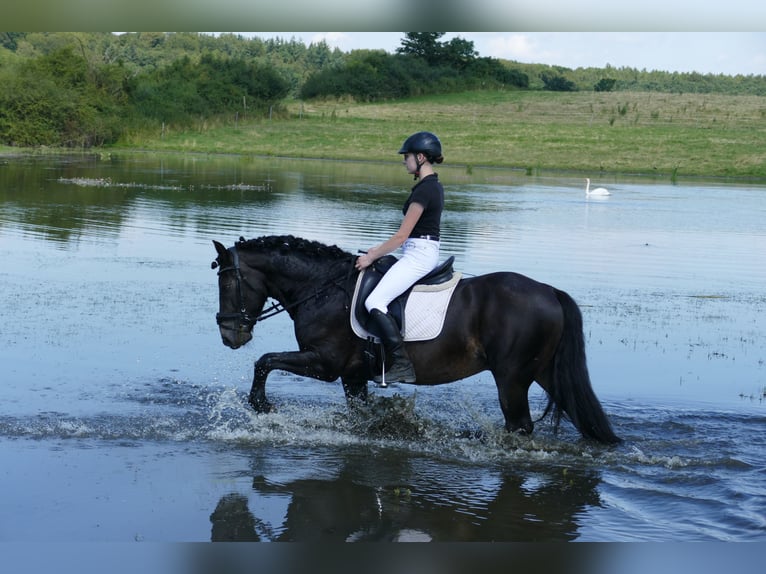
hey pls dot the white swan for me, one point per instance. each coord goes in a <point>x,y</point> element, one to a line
<point>597,191</point>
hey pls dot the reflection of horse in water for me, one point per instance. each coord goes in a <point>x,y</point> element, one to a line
<point>233,521</point>
<point>343,509</point>
<point>520,330</point>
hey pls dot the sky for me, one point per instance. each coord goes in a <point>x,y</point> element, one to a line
<point>671,35</point>
<point>727,53</point>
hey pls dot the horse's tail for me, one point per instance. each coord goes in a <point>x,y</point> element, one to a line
<point>571,393</point>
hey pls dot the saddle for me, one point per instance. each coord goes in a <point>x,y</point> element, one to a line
<point>370,278</point>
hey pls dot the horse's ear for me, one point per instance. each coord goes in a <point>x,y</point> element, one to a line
<point>223,254</point>
<point>219,247</point>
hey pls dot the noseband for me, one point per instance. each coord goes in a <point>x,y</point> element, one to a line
<point>244,317</point>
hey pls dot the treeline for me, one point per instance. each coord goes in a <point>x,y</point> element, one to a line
<point>423,64</point>
<point>89,89</point>
<point>150,51</point>
<point>62,99</point>
<point>626,79</point>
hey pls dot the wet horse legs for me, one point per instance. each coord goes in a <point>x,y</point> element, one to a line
<point>514,402</point>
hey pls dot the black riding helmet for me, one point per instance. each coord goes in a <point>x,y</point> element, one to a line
<point>426,143</point>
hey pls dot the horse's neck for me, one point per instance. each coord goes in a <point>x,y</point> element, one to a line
<point>290,278</point>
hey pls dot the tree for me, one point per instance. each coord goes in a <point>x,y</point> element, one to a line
<point>9,40</point>
<point>423,45</point>
<point>459,53</point>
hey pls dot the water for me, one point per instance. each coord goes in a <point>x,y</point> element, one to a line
<point>123,417</point>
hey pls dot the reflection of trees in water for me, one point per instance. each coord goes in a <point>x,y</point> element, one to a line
<point>66,198</point>
<point>535,506</point>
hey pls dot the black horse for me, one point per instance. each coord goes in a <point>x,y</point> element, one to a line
<point>515,327</point>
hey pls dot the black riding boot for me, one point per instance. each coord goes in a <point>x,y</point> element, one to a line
<point>398,365</point>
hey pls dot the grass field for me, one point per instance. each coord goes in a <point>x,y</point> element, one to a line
<point>671,135</point>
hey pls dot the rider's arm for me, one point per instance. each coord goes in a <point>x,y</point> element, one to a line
<point>414,211</point>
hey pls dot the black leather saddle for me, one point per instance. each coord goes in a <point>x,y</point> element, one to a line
<point>440,274</point>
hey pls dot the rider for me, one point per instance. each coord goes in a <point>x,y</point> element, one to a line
<point>418,236</point>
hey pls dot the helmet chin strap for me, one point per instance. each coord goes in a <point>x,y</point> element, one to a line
<point>419,164</point>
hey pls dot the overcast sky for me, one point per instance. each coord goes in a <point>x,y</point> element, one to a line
<point>705,52</point>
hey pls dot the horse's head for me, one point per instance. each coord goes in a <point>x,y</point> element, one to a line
<point>241,294</point>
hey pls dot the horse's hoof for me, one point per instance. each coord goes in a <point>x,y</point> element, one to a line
<point>521,430</point>
<point>261,406</point>
<point>356,402</point>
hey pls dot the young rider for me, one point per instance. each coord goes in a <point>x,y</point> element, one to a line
<point>418,236</point>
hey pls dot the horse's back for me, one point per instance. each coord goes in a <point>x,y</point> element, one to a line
<point>510,310</point>
<point>490,319</point>
<point>502,293</point>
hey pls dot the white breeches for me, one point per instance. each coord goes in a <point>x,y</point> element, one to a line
<point>419,257</point>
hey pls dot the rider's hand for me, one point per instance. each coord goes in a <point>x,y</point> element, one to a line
<point>363,261</point>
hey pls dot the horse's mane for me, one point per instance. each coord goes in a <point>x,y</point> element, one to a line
<point>290,243</point>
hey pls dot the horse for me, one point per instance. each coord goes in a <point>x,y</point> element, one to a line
<point>519,329</point>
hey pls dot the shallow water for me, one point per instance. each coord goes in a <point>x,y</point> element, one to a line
<point>123,417</point>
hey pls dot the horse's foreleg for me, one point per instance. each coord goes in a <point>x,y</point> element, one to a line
<point>303,363</point>
<point>257,398</point>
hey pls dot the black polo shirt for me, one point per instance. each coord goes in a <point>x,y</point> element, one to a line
<point>429,193</point>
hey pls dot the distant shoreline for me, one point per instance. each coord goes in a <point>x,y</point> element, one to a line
<point>633,133</point>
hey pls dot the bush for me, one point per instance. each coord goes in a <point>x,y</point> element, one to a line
<point>56,100</point>
<point>557,83</point>
<point>185,89</point>
<point>374,75</point>
<point>605,85</point>
<point>366,77</point>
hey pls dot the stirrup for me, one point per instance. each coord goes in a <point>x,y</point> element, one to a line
<point>401,375</point>
<point>405,375</point>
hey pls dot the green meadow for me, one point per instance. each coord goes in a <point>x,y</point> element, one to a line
<point>647,133</point>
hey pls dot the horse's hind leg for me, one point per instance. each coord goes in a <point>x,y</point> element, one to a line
<point>513,391</point>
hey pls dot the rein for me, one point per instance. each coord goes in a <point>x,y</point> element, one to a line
<point>276,308</point>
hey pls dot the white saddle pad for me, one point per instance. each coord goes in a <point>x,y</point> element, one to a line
<point>424,312</point>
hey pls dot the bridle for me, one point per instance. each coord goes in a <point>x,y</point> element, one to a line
<point>244,317</point>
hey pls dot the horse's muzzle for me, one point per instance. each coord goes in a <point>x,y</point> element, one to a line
<point>235,338</point>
